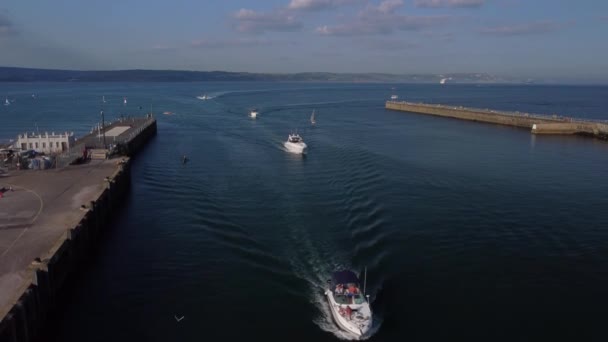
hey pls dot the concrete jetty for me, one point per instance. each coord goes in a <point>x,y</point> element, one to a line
<point>536,123</point>
<point>49,221</point>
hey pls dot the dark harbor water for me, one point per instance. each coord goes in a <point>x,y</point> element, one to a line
<point>470,232</point>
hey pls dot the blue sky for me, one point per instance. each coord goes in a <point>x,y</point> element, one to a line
<point>526,38</point>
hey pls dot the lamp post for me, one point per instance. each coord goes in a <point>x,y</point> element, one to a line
<point>103,129</point>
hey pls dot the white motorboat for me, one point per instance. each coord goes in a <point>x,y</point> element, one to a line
<point>394,97</point>
<point>253,113</point>
<point>203,97</point>
<point>349,305</point>
<point>295,144</point>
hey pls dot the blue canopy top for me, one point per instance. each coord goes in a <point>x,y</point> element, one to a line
<point>345,277</point>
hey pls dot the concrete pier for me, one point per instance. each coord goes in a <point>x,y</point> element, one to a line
<point>49,222</point>
<point>537,123</point>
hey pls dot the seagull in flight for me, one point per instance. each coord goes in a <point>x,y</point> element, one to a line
<point>178,319</point>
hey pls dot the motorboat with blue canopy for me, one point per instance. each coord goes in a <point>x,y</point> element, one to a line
<point>348,303</point>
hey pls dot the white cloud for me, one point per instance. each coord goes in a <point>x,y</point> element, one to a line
<point>448,3</point>
<point>258,22</point>
<point>526,29</point>
<point>389,6</point>
<point>6,26</point>
<point>234,43</point>
<point>391,45</point>
<point>162,47</point>
<point>317,5</point>
<point>382,19</point>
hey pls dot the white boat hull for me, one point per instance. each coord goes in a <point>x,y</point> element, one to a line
<point>253,115</point>
<point>297,148</point>
<point>357,327</point>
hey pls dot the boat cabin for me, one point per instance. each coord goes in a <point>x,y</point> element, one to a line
<point>294,138</point>
<point>346,289</point>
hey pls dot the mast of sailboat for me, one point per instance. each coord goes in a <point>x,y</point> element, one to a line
<point>365,281</point>
<point>103,122</point>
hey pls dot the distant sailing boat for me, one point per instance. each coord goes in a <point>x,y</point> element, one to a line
<point>124,101</point>
<point>312,117</point>
<point>7,102</point>
<point>103,99</point>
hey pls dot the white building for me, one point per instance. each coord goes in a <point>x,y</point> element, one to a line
<point>46,143</point>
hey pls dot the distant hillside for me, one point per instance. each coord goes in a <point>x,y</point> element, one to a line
<point>9,74</point>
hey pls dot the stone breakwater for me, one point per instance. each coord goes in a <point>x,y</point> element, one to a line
<point>537,123</point>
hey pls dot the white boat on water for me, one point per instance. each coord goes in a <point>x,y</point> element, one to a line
<point>203,97</point>
<point>394,97</point>
<point>312,117</point>
<point>349,305</point>
<point>295,144</point>
<point>253,113</point>
<point>7,102</point>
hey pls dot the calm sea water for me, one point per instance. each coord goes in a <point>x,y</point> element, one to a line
<point>469,231</point>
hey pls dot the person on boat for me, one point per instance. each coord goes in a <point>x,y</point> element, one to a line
<point>348,312</point>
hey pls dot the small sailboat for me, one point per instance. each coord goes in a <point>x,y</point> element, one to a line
<point>349,305</point>
<point>253,113</point>
<point>312,118</point>
<point>103,99</point>
<point>124,101</point>
<point>7,102</point>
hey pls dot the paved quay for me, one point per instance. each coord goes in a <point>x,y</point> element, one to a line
<point>51,220</point>
<point>40,209</point>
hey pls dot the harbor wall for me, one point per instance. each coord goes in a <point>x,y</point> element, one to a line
<point>139,138</point>
<point>479,115</point>
<point>47,277</point>
<point>537,123</point>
